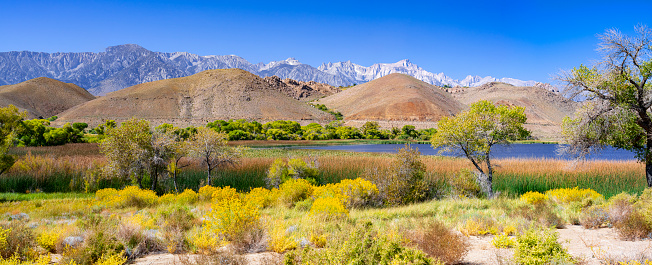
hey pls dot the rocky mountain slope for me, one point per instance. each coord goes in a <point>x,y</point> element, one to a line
<point>126,65</point>
<point>43,97</point>
<point>197,99</point>
<point>394,97</point>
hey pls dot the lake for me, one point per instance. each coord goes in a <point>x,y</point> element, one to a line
<point>524,151</point>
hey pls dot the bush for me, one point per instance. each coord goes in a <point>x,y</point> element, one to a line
<point>404,182</point>
<point>594,217</point>
<point>225,193</point>
<point>439,242</point>
<point>261,197</point>
<point>479,226</point>
<point>586,197</point>
<point>534,198</point>
<point>48,239</point>
<point>363,246</point>
<point>101,241</point>
<point>540,247</point>
<point>174,223</point>
<point>280,172</point>
<point>295,190</point>
<point>280,239</point>
<point>633,226</point>
<point>206,192</point>
<point>235,222</point>
<point>352,193</point>
<point>130,196</point>
<point>503,241</point>
<point>18,241</point>
<point>464,184</point>
<point>328,208</point>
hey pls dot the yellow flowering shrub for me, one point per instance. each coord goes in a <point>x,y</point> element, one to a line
<point>329,208</point>
<point>573,195</point>
<point>206,192</point>
<point>319,240</point>
<point>48,239</point>
<point>204,241</point>
<point>131,196</point>
<point>226,193</point>
<point>14,260</point>
<point>114,259</point>
<point>261,197</point>
<point>503,241</point>
<point>635,262</point>
<point>279,240</point>
<point>142,220</point>
<point>231,218</point>
<point>3,237</point>
<point>534,197</point>
<point>295,190</point>
<point>168,198</point>
<point>188,196</point>
<point>352,192</point>
<point>479,227</point>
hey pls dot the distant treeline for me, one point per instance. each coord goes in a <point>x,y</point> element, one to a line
<point>38,132</point>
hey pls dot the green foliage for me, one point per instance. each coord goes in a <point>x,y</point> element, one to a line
<point>540,247</point>
<point>362,246</point>
<point>10,118</point>
<point>281,171</point>
<point>472,134</point>
<point>404,182</point>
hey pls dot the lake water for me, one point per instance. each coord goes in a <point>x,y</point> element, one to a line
<point>525,151</point>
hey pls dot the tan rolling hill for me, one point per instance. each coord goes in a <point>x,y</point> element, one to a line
<point>43,97</point>
<point>197,99</point>
<point>394,98</point>
<point>544,109</point>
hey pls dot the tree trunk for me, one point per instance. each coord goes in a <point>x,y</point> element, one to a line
<point>208,177</point>
<point>648,160</point>
<point>154,177</point>
<point>490,178</point>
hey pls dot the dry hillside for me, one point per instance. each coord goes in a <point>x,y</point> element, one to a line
<point>300,90</point>
<point>43,97</point>
<point>544,109</point>
<point>394,98</point>
<point>197,99</point>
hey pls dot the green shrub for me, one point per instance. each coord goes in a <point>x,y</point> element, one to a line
<point>280,172</point>
<point>536,247</point>
<point>295,190</point>
<point>404,182</point>
<point>16,239</point>
<point>362,246</point>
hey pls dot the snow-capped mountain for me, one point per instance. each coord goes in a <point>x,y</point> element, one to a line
<point>126,65</point>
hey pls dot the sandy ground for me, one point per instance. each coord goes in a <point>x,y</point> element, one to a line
<point>591,246</point>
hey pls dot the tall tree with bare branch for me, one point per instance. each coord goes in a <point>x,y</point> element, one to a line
<point>211,148</point>
<point>618,99</point>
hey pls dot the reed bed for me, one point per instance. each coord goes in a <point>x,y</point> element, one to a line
<point>63,169</point>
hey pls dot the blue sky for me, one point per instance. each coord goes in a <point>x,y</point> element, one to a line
<point>529,40</point>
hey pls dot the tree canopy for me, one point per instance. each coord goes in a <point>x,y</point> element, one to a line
<point>473,133</point>
<point>618,97</point>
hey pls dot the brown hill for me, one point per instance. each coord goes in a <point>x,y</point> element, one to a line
<point>544,109</point>
<point>43,97</point>
<point>197,99</point>
<point>395,97</point>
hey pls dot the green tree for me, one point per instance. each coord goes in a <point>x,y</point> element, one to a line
<point>133,150</point>
<point>10,118</point>
<point>617,110</point>
<point>211,148</point>
<point>473,133</point>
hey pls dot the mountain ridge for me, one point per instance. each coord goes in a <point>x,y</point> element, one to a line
<point>126,65</point>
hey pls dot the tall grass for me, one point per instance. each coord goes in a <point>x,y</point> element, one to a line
<point>63,168</point>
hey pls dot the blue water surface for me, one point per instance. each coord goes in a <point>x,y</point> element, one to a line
<point>524,151</point>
